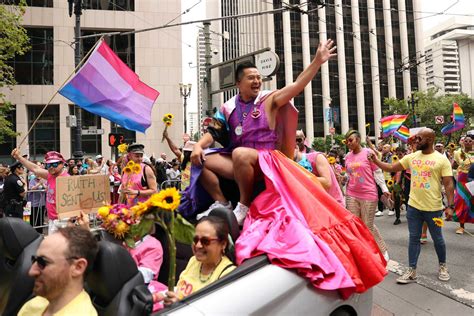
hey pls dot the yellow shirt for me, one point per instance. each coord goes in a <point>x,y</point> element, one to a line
<point>80,305</point>
<point>189,281</point>
<point>426,176</point>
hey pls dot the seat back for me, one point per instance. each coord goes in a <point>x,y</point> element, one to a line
<point>234,231</point>
<point>112,280</point>
<point>18,242</point>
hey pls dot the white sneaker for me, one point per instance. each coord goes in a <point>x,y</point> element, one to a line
<point>240,212</point>
<point>214,205</point>
<point>391,213</point>
<point>386,256</point>
<point>379,213</point>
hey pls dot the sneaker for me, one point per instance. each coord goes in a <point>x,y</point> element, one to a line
<point>379,213</point>
<point>240,212</point>
<point>423,239</point>
<point>391,213</point>
<point>397,222</point>
<point>408,277</point>
<point>443,272</point>
<point>460,231</point>
<point>214,205</point>
<point>386,256</point>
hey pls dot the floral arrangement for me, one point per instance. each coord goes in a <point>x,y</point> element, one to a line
<point>122,148</point>
<point>132,224</point>
<point>168,120</point>
<point>438,221</point>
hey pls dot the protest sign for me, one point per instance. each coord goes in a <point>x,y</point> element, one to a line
<point>81,193</point>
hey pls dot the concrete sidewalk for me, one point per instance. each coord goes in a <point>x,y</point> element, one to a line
<point>391,298</point>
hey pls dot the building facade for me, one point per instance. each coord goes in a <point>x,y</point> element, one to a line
<point>155,56</point>
<point>450,56</point>
<point>380,54</point>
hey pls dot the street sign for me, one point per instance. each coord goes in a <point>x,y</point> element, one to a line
<point>267,63</point>
<point>99,131</point>
<point>332,131</point>
<point>439,119</point>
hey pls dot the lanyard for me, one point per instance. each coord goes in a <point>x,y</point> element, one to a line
<point>248,106</point>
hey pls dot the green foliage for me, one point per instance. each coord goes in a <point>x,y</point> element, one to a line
<point>323,144</point>
<point>13,41</point>
<point>430,104</point>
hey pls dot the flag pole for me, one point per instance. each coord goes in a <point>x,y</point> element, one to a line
<point>56,92</point>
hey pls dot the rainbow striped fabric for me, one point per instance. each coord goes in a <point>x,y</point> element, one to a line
<point>390,124</point>
<point>457,122</point>
<point>403,133</point>
<point>105,86</point>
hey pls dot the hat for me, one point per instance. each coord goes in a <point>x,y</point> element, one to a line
<point>15,165</point>
<point>98,157</point>
<point>189,146</point>
<point>136,148</point>
<point>53,156</point>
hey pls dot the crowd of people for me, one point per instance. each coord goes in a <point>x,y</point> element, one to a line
<point>301,207</point>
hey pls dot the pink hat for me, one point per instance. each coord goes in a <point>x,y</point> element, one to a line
<point>53,156</point>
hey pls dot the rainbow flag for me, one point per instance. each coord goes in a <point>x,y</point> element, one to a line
<point>390,124</point>
<point>105,86</point>
<point>457,122</point>
<point>403,133</point>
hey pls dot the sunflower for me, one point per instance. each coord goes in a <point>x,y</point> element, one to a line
<point>451,146</point>
<point>169,123</point>
<point>127,170</point>
<point>122,148</point>
<point>394,158</point>
<point>331,160</point>
<point>130,164</point>
<point>390,183</point>
<point>438,221</point>
<point>136,168</point>
<point>120,229</point>
<point>169,116</point>
<point>167,199</point>
<point>103,211</point>
<point>344,141</point>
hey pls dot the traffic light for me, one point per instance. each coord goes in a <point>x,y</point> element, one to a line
<point>116,139</point>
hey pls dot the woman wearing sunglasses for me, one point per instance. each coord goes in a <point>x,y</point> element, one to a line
<point>361,191</point>
<point>209,262</point>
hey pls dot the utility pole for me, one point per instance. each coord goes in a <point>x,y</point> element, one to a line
<point>185,91</point>
<point>77,4</point>
<point>207,65</point>
<point>413,102</point>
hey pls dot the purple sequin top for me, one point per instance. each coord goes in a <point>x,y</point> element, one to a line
<point>255,130</point>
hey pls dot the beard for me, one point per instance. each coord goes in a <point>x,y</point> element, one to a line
<point>422,146</point>
<point>51,288</point>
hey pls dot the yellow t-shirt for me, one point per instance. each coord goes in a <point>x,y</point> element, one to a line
<point>189,281</point>
<point>426,177</point>
<point>80,305</point>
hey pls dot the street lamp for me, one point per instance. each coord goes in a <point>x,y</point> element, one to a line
<point>185,90</point>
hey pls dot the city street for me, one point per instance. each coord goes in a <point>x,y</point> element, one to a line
<point>430,296</point>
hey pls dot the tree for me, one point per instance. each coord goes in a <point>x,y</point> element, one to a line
<point>13,41</point>
<point>430,104</point>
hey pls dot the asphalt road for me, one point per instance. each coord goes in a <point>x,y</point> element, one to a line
<point>460,258</point>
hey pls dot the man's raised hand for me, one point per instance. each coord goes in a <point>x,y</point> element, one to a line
<point>326,50</point>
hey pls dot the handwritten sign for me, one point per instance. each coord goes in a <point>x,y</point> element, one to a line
<point>81,193</point>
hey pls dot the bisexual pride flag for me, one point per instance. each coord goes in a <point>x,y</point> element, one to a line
<point>105,86</point>
<point>457,122</point>
<point>403,133</point>
<point>390,124</point>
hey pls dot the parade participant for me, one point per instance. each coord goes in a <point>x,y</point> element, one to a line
<point>73,171</point>
<point>429,169</point>
<point>312,229</point>
<point>36,196</point>
<point>463,201</point>
<point>138,187</point>
<point>209,262</point>
<point>59,268</point>
<point>301,142</point>
<point>54,164</point>
<point>361,191</point>
<point>386,156</point>
<point>14,191</point>
<point>115,179</point>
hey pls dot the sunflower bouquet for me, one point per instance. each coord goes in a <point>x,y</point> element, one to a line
<point>130,169</point>
<point>116,219</point>
<point>168,120</point>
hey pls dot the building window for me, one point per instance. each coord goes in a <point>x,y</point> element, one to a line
<point>44,136</point>
<point>91,144</point>
<point>8,142</point>
<point>36,66</point>
<point>115,5</point>
<point>31,3</point>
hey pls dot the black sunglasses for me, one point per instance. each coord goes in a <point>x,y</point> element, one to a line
<point>205,241</point>
<point>41,261</point>
<point>53,164</point>
<point>299,140</point>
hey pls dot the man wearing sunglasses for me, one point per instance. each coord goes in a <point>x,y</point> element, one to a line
<point>300,139</point>
<point>59,268</point>
<point>54,167</point>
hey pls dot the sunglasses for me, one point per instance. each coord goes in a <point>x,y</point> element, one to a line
<point>299,140</point>
<point>42,262</point>
<point>52,165</point>
<point>205,241</point>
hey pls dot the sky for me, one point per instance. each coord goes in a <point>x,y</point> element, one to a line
<point>197,12</point>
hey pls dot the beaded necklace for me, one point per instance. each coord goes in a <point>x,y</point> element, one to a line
<point>210,274</point>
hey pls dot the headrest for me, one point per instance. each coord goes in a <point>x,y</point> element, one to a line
<point>230,219</point>
<point>112,268</point>
<point>15,235</point>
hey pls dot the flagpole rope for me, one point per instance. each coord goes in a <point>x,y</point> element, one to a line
<point>56,92</point>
